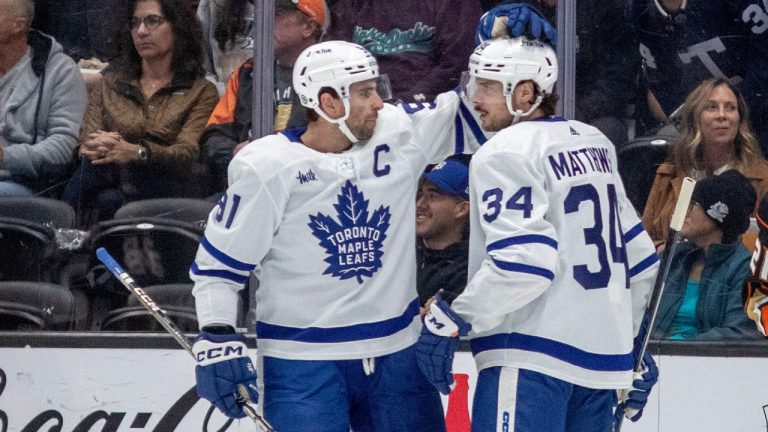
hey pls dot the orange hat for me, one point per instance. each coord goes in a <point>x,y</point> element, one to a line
<point>315,9</point>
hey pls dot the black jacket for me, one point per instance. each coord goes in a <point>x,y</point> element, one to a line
<point>446,269</point>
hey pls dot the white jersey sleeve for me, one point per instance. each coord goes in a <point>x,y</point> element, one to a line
<point>509,206</point>
<point>238,234</point>
<point>447,126</point>
<point>642,259</point>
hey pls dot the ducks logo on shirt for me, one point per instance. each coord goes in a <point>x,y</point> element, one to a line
<point>353,243</point>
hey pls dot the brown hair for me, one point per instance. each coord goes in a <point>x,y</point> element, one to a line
<point>686,151</point>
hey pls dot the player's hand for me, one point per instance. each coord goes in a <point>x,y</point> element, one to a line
<point>437,344</point>
<point>223,365</point>
<point>521,20</point>
<point>632,401</point>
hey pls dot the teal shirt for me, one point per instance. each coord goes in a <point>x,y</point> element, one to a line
<point>718,312</point>
<point>684,324</point>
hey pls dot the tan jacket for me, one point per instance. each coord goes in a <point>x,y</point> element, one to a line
<point>666,188</point>
<point>168,124</point>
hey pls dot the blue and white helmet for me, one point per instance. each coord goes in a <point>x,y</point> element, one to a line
<point>511,61</point>
<point>334,64</point>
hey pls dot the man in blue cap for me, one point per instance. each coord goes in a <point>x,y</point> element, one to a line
<point>442,229</point>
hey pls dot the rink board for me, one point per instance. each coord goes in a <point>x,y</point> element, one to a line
<point>95,389</point>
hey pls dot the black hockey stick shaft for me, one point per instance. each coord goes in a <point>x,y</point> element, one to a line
<point>649,317</point>
<point>159,314</point>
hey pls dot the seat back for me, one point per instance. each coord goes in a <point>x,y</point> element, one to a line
<point>44,211</point>
<point>175,299</point>
<point>638,161</point>
<point>190,210</point>
<point>27,251</point>
<point>153,251</point>
<point>35,305</point>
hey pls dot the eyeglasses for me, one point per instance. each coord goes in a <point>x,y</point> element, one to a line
<point>151,22</point>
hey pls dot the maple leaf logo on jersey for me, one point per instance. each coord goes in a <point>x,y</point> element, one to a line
<point>353,244</point>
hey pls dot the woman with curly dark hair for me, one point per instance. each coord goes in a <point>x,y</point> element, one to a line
<point>139,137</point>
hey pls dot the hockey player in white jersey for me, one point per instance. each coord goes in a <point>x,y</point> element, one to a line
<point>326,217</point>
<point>560,267</point>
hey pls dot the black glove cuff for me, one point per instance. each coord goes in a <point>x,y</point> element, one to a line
<point>219,329</point>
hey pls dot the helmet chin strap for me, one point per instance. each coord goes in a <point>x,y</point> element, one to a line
<point>517,114</point>
<point>341,122</point>
<point>347,133</point>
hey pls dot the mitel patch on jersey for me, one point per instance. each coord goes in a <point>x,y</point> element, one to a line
<point>354,242</point>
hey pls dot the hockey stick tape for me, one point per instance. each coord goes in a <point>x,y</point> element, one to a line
<point>683,201</point>
<point>109,262</point>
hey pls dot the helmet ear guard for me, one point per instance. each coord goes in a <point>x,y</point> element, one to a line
<point>336,65</point>
<point>511,61</point>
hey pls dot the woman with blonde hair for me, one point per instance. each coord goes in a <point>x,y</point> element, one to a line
<point>714,136</point>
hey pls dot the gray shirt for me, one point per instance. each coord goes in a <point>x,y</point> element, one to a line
<point>8,82</point>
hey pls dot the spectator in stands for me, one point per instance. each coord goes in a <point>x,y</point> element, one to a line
<point>756,288</point>
<point>297,26</point>
<point>607,62</point>
<point>228,37</point>
<point>84,27</point>
<point>140,133</point>
<point>702,296</point>
<point>42,100</point>
<point>422,45</point>
<point>442,228</point>
<point>714,136</point>
<point>684,42</point>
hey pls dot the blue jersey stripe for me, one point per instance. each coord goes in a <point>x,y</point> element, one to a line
<point>459,139</point>
<point>477,131</point>
<point>551,119</point>
<point>524,268</point>
<point>644,264</point>
<point>350,333</point>
<point>222,274</point>
<point>523,239</point>
<point>224,258</point>
<point>555,349</point>
<point>294,135</point>
<point>634,232</point>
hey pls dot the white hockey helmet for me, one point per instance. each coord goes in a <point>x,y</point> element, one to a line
<point>337,65</point>
<point>511,61</point>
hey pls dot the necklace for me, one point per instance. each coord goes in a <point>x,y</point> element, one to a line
<point>153,85</point>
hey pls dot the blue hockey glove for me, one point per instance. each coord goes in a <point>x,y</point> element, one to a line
<point>222,366</point>
<point>521,20</point>
<point>437,344</point>
<point>632,401</point>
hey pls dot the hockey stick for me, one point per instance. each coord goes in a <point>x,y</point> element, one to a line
<point>649,317</point>
<point>161,317</point>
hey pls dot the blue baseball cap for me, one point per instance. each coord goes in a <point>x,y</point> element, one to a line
<point>451,177</point>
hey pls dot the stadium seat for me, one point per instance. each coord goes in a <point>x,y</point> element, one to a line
<point>154,240</point>
<point>45,211</point>
<point>638,161</point>
<point>175,299</point>
<point>153,251</point>
<point>35,306</point>
<point>28,248</point>
<point>181,209</point>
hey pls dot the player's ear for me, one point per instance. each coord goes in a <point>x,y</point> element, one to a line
<point>331,105</point>
<point>462,210</point>
<point>525,94</point>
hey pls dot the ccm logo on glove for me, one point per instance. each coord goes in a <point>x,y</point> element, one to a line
<point>209,353</point>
